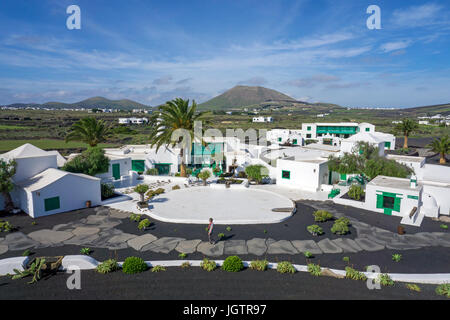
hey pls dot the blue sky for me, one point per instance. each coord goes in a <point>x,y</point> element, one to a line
<point>154,51</point>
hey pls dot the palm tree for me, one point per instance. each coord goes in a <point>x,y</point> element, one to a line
<point>88,130</point>
<point>174,115</point>
<point>406,127</point>
<point>442,146</point>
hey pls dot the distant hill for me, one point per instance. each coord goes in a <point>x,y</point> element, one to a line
<point>243,96</point>
<point>91,103</point>
<point>443,109</point>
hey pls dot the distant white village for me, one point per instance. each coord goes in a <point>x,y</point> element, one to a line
<point>296,162</point>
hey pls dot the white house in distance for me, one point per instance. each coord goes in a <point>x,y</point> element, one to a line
<point>282,136</point>
<point>334,133</point>
<point>262,119</point>
<point>41,189</point>
<point>133,120</point>
<point>349,145</point>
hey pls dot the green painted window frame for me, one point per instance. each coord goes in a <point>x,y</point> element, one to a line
<point>367,129</point>
<point>279,139</point>
<point>283,172</point>
<point>51,204</point>
<point>309,128</point>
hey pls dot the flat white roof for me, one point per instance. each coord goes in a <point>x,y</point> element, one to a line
<point>405,158</point>
<point>391,182</point>
<point>322,147</point>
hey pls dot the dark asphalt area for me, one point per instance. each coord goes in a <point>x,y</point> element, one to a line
<point>194,283</point>
<point>413,261</point>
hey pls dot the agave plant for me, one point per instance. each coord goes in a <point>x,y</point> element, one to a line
<point>34,270</point>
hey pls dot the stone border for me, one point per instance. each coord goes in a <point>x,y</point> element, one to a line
<point>88,263</point>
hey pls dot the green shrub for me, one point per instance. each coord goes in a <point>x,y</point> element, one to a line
<point>228,229</point>
<point>91,162</point>
<point>144,224</point>
<point>396,257</point>
<point>133,265</point>
<point>107,190</point>
<point>339,228</point>
<point>308,254</point>
<point>204,175</point>
<point>259,265</point>
<point>159,191</point>
<point>185,264</point>
<point>5,226</point>
<point>135,217</point>
<point>176,187</point>
<point>314,269</point>
<point>85,251</point>
<point>353,274</point>
<point>322,216</point>
<point>107,266</point>
<point>443,290</point>
<point>346,259</point>
<point>232,264</point>
<point>182,255</point>
<point>256,172</point>
<point>158,269</point>
<point>285,267</point>
<point>208,265</point>
<point>315,230</point>
<point>413,287</point>
<point>221,235</point>
<point>385,280</point>
<point>142,190</point>
<point>344,220</point>
<point>356,192</point>
<point>152,172</point>
<point>444,226</point>
<point>26,253</point>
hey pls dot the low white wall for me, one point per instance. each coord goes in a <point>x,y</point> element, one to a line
<point>442,196</point>
<point>303,175</point>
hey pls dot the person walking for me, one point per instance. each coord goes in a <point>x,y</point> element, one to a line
<point>210,231</point>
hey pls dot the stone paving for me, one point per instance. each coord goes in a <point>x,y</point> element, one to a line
<point>98,231</point>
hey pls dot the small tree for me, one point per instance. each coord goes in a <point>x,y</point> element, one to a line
<point>204,175</point>
<point>256,172</point>
<point>141,189</point>
<point>91,162</point>
<point>406,127</point>
<point>7,171</point>
<point>442,146</point>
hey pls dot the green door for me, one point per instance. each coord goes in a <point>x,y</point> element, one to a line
<point>163,168</point>
<point>51,204</point>
<point>116,171</point>
<point>295,141</point>
<point>138,165</point>
<point>387,145</point>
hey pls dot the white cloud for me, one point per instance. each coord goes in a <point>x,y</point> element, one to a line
<point>417,15</point>
<point>397,45</point>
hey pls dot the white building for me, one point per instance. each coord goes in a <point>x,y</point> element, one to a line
<point>304,174</point>
<point>41,189</point>
<point>133,120</point>
<point>349,145</point>
<point>262,119</point>
<point>282,136</point>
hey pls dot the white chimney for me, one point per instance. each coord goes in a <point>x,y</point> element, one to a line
<point>413,182</point>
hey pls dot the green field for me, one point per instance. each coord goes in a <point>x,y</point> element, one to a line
<point>46,144</point>
<point>8,127</point>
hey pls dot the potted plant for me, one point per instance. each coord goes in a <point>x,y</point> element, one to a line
<point>400,230</point>
<point>204,175</point>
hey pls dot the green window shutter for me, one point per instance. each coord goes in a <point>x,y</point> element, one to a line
<point>387,145</point>
<point>279,139</point>
<point>295,141</point>
<point>51,204</point>
<point>367,129</point>
<point>286,174</point>
<point>397,204</point>
<point>379,201</point>
<point>309,128</point>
